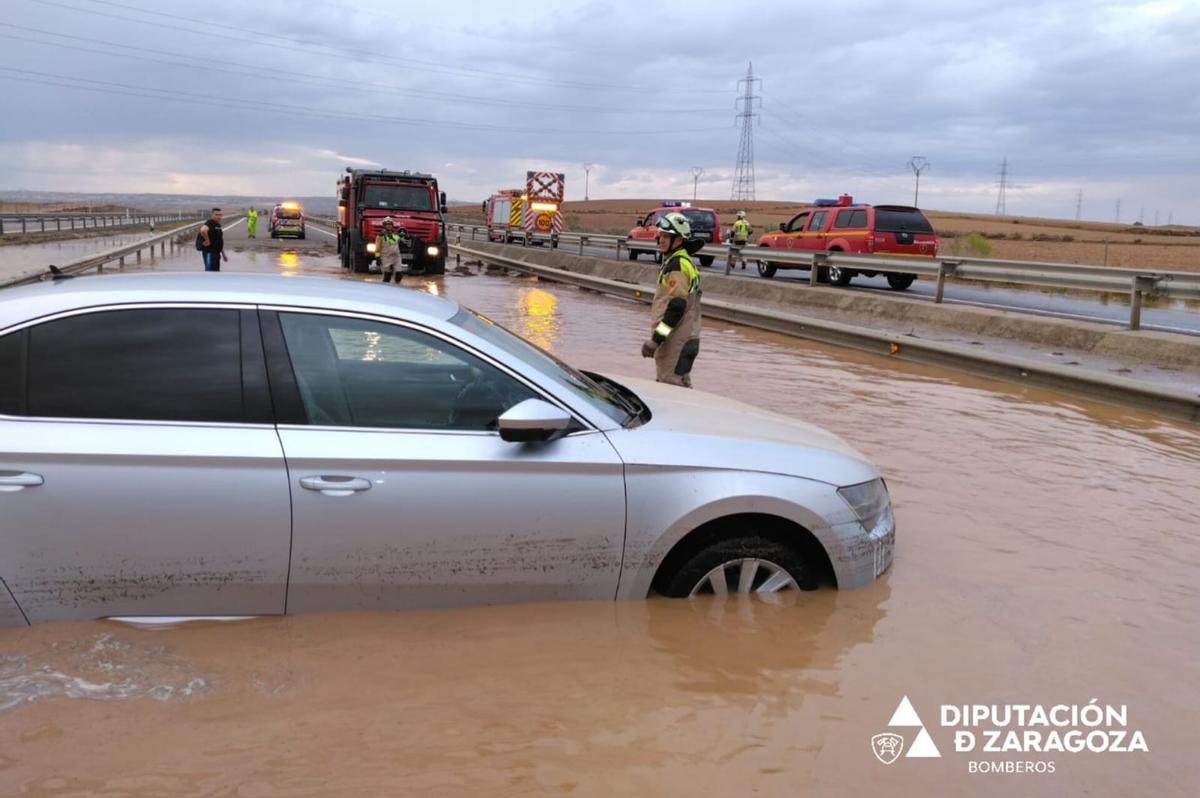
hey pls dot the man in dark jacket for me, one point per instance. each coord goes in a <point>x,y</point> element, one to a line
<point>212,241</point>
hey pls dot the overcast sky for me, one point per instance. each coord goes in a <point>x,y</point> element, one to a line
<point>275,98</point>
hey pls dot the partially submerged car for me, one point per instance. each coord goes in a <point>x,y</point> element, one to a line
<point>235,444</point>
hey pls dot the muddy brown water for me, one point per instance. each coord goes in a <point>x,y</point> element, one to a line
<point>1048,552</point>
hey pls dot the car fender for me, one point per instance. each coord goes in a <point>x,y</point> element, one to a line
<point>840,244</point>
<point>662,510</point>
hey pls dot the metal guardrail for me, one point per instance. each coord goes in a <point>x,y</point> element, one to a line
<point>1136,283</point>
<point>1177,402</point>
<point>25,223</point>
<point>119,254</point>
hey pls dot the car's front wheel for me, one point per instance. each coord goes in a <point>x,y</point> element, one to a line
<point>741,564</point>
<point>900,282</point>
<point>840,277</point>
<point>765,269</point>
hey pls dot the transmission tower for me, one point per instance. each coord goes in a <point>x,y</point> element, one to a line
<point>695,172</point>
<point>917,164</point>
<point>1001,210</point>
<point>587,178</point>
<point>1078,205</point>
<point>743,173</point>
<point>1118,216</point>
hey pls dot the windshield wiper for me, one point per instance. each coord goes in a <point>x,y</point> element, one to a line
<point>621,396</point>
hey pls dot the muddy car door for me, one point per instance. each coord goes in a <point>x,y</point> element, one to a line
<point>140,471</point>
<point>404,493</point>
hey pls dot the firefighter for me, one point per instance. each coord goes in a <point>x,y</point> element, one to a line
<point>741,232</point>
<point>387,250</point>
<point>251,222</point>
<point>675,312</point>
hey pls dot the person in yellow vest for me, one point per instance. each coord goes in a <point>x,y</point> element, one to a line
<point>251,222</point>
<point>387,250</point>
<point>675,312</point>
<point>741,232</point>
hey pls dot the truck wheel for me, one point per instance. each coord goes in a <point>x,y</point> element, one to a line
<point>360,262</point>
<point>706,261</point>
<point>633,253</point>
<point>766,269</point>
<point>840,277</point>
<point>900,282</point>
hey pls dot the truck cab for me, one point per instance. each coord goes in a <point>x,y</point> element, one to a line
<point>411,199</point>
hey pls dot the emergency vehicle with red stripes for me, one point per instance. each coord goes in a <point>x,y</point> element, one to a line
<point>842,225</point>
<point>524,214</point>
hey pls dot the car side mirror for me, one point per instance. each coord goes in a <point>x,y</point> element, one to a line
<point>442,201</point>
<point>533,420</point>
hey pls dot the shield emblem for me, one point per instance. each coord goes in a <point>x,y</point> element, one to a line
<point>887,747</point>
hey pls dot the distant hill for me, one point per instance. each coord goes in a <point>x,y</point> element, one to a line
<point>117,201</point>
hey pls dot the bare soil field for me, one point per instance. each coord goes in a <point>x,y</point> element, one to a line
<point>1174,248</point>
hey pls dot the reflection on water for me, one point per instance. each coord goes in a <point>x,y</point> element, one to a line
<point>1047,552</point>
<point>539,323</point>
<point>289,264</point>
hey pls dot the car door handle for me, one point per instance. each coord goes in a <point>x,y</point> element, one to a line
<point>335,485</point>
<point>11,481</point>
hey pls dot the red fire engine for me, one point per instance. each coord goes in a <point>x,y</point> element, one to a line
<point>520,215</point>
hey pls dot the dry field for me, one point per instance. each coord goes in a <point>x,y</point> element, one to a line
<point>1175,248</point>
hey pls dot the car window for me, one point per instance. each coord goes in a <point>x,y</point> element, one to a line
<point>901,220</point>
<point>818,220</point>
<point>358,373</point>
<point>12,373</point>
<point>797,222</point>
<point>154,364</point>
<point>850,218</point>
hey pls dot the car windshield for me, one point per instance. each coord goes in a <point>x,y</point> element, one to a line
<point>288,213</point>
<point>700,220</point>
<point>408,198</point>
<point>901,220</point>
<point>601,395</point>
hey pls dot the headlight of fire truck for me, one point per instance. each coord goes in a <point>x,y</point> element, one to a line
<point>371,247</point>
<point>431,251</point>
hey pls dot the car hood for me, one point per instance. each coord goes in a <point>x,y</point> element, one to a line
<point>690,428</point>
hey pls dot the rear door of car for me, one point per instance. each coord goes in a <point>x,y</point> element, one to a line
<point>140,471</point>
<point>404,494</point>
<point>902,230</point>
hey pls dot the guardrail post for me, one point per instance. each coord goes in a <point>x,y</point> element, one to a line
<point>58,223</point>
<point>944,267</point>
<point>619,243</point>
<point>1139,284</point>
<point>139,256</point>
<point>819,260</point>
<point>43,221</point>
<point>1,226</point>
<point>582,241</point>
<point>22,224</point>
<point>121,262</point>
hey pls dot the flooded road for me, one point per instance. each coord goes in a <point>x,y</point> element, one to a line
<point>19,258</point>
<point>1048,552</point>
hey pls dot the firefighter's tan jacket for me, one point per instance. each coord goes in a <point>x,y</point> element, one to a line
<point>387,247</point>
<point>677,333</point>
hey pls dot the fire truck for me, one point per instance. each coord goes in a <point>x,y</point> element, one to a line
<point>521,214</point>
<point>365,197</point>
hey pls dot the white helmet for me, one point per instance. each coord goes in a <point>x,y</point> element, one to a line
<point>388,220</point>
<point>675,224</point>
<point>741,215</point>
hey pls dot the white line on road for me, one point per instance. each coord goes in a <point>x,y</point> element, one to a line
<point>319,230</point>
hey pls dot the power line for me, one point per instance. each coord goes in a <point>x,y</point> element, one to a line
<point>695,172</point>
<point>308,78</point>
<point>109,87</point>
<point>419,65</point>
<point>743,174</point>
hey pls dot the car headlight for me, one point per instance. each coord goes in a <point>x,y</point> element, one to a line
<point>431,251</point>
<point>869,500</point>
<point>371,247</point>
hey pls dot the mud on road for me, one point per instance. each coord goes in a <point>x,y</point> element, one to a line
<point>1047,552</point>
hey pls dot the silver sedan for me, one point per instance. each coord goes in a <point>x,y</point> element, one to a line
<point>229,444</point>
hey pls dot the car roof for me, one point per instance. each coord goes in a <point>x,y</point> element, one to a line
<point>26,303</point>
